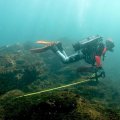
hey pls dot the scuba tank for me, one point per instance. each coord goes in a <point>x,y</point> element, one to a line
<point>90,41</point>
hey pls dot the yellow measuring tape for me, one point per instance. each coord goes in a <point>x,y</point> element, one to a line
<point>56,88</point>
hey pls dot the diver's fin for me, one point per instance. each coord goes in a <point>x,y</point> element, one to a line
<point>45,42</point>
<point>39,50</point>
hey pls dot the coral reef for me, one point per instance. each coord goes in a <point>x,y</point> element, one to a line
<point>22,72</point>
<point>55,106</point>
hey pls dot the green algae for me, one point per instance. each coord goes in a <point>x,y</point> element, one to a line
<point>30,73</point>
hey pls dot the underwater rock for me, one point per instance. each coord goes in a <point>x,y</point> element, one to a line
<point>55,106</point>
<point>2,113</point>
<point>29,72</point>
<point>10,94</point>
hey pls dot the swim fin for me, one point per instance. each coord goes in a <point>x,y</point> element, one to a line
<point>45,42</point>
<point>39,50</point>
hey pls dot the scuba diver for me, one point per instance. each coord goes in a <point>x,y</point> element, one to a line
<point>90,49</point>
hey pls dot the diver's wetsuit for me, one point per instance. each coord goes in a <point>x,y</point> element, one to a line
<point>69,59</point>
<point>89,52</point>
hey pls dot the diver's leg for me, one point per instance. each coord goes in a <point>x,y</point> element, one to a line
<point>75,57</point>
<point>70,59</point>
<point>60,47</point>
<point>67,59</point>
<point>63,57</point>
<point>60,52</point>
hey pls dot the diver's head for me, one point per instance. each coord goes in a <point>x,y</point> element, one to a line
<point>110,45</point>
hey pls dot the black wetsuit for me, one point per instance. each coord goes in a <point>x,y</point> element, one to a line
<point>90,52</point>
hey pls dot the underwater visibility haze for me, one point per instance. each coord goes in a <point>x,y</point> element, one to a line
<point>29,20</point>
<point>22,23</point>
<point>53,19</point>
